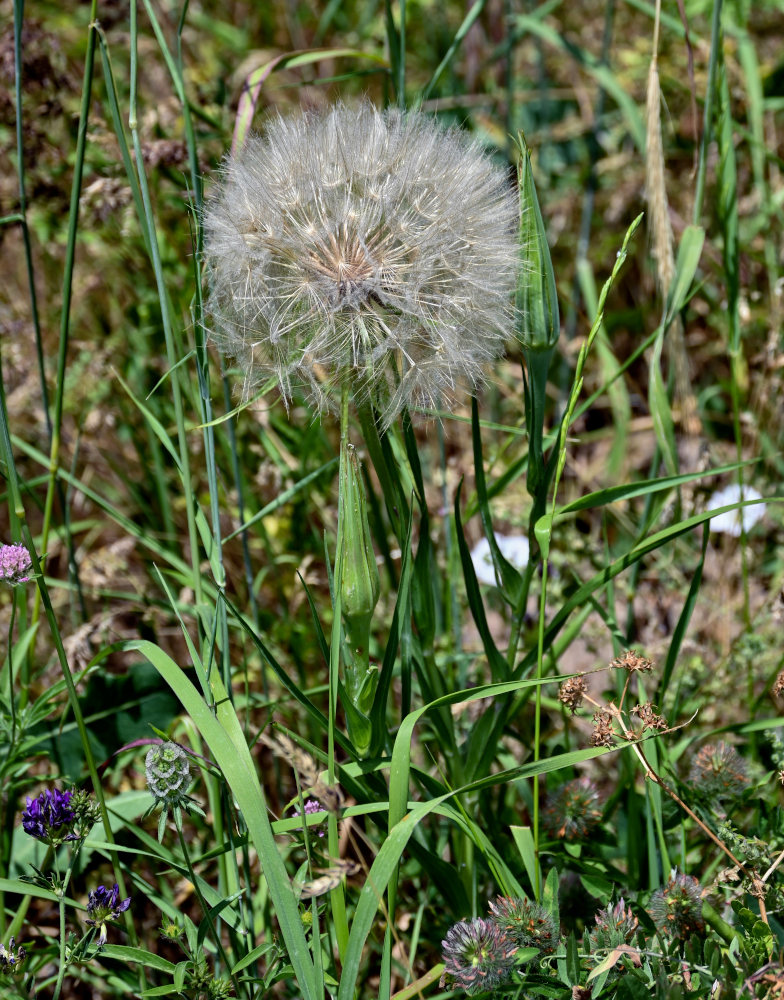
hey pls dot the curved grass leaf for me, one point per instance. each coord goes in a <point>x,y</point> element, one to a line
<point>227,745</point>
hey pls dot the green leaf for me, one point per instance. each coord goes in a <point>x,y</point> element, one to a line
<point>689,253</point>
<point>225,738</point>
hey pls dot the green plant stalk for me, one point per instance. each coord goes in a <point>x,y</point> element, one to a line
<point>177,813</point>
<point>22,215</point>
<point>61,906</point>
<point>65,315</point>
<point>728,218</point>
<point>544,545</point>
<point>337,897</point>
<point>707,121</point>
<point>62,964</point>
<point>6,814</point>
<point>543,525</point>
<point>168,332</point>
<point>73,700</point>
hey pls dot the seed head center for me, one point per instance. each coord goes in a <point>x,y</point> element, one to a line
<point>346,260</point>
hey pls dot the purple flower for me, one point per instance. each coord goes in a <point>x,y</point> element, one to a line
<point>477,956</point>
<point>12,957</point>
<point>311,806</point>
<point>16,566</point>
<point>50,817</point>
<point>104,904</point>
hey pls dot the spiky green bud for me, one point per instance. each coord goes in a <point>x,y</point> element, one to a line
<point>537,301</point>
<point>540,324</point>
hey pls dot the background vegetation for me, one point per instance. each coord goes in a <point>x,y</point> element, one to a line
<point>183,535</point>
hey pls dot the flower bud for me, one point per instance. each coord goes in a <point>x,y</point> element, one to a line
<point>359,580</point>
<point>168,773</point>
<point>537,301</point>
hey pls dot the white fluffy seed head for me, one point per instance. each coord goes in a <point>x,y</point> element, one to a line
<point>361,246</point>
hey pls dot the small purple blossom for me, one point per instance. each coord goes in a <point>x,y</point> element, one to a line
<point>311,806</point>
<point>50,817</point>
<point>104,904</point>
<point>12,957</point>
<point>16,566</point>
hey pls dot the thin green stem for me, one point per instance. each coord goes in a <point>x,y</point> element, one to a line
<point>65,308</point>
<point>63,962</point>
<point>205,908</point>
<point>166,321</point>
<point>707,126</point>
<point>337,897</point>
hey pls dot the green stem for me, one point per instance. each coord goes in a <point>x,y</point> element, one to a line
<point>61,970</point>
<point>203,902</point>
<point>65,313</point>
<point>336,897</point>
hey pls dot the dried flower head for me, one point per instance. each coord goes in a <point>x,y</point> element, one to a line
<point>650,720</point>
<point>603,734</point>
<point>16,566</point>
<point>615,925</point>
<point>477,956</point>
<point>632,661</point>
<point>50,817</point>
<point>528,924</point>
<point>104,904</point>
<point>676,909</point>
<point>362,248</point>
<point>718,771</point>
<point>571,692</point>
<point>572,810</point>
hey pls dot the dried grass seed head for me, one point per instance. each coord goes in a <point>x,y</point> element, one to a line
<point>356,245</point>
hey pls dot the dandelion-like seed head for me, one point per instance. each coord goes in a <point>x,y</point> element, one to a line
<point>360,247</point>
<point>676,909</point>
<point>477,956</point>
<point>16,566</point>
<point>572,810</point>
<point>105,904</point>
<point>528,924</point>
<point>719,772</point>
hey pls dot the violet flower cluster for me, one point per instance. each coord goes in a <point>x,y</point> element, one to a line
<point>16,566</point>
<point>104,904</point>
<point>50,817</point>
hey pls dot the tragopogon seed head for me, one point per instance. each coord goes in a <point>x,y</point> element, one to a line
<point>361,247</point>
